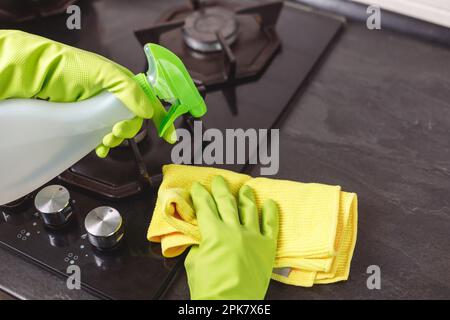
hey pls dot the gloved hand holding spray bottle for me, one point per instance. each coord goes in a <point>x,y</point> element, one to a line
<point>58,103</point>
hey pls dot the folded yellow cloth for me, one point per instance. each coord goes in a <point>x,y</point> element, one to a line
<point>318,223</point>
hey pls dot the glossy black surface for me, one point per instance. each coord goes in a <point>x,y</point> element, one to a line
<point>133,264</point>
<point>373,119</point>
<point>136,269</point>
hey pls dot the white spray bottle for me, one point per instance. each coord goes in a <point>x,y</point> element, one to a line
<point>41,139</point>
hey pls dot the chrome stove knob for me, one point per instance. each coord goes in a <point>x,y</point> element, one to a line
<point>104,226</point>
<point>54,205</point>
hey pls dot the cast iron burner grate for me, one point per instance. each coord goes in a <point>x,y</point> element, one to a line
<point>127,170</point>
<point>221,42</point>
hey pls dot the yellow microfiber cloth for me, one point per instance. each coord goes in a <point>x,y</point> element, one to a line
<point>318,222</point>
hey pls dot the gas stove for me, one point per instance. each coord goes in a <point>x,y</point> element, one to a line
<point>248,58</point>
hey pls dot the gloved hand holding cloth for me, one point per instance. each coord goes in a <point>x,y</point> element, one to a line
<point>236,255</point>
<point>317,223</point>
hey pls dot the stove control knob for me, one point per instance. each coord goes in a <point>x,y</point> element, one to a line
<point>54,204</point>
<point>104,226</point>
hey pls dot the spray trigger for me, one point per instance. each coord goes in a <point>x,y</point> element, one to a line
<point>171,82</point>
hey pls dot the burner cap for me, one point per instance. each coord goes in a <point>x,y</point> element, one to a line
<point>201,26</point>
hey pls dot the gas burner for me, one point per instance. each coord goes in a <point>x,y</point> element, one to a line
<point>128,169</point>
<point>201,28</point>
<point>122,174</point>
<point>220,42</point>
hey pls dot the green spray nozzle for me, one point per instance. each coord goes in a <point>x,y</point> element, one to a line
<point>171,82</point>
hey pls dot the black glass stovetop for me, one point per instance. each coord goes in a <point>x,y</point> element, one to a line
<point>136,269</point>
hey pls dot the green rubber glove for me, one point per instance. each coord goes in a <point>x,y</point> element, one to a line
<point>35,67</point>
<point>236,255</point>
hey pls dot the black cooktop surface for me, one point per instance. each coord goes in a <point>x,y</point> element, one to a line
<point>136,269</point>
